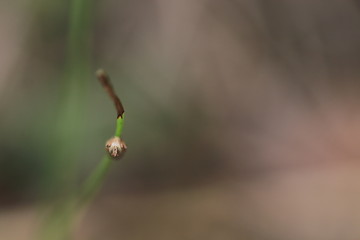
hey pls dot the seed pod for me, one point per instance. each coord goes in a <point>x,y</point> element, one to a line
<point>115,147</point>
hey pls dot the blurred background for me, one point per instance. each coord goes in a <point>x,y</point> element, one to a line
<point>242,117</point>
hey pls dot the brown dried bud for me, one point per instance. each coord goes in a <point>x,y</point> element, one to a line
<point>115,147</point>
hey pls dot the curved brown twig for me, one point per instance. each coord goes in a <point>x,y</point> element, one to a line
<point>105,82</point>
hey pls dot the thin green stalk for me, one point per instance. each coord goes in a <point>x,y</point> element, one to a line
<point>67,122</point>
<point>68,125</point>
<point>96,178</point>
<point>61,220</point>
<point>78,39</point>
<point>119,126</point>
<point>94,181</point>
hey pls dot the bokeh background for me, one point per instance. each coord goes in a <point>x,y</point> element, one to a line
<point>242,117</point>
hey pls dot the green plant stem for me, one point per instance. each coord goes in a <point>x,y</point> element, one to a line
<point>61,220</point>
<point>96,178</point>
<point>119,125</point>
<point>94,181</point>
<point>78,53</point>
<point>68,125</point>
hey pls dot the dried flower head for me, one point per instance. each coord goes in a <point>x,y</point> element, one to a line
<point>115,147</point>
